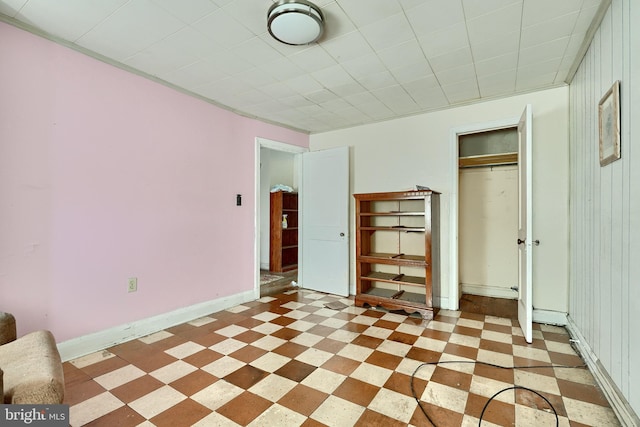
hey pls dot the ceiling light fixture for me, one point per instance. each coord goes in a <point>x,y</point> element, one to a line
<point>295,22</point>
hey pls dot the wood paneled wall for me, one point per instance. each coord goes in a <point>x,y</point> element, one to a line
<point>604,301</point>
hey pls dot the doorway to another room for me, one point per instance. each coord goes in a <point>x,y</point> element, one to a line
<point>278,174</point>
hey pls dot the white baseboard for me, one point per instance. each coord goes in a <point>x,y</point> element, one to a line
<point>549,317</point>
<point>86,344</point>
<point>488,291</point>
<point>618,402</point>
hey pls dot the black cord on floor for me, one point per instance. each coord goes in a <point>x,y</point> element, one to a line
<point>518,387</point>
<point>475,362</point>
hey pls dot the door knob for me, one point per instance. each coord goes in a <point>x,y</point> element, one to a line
<point>521,241</point>
<point>341,234</point>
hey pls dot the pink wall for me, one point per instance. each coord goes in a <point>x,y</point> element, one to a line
<point>105,175</point>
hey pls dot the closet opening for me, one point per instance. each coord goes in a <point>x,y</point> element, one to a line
<point>488,220</point>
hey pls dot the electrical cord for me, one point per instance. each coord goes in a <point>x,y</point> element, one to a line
<point>515,387</point>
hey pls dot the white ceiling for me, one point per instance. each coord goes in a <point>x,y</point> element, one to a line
<point>377,60</point>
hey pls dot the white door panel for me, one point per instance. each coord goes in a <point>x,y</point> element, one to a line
<point>525,238</point>
<point>324,201</point>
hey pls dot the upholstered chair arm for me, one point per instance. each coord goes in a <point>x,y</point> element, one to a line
<point>7,328</point>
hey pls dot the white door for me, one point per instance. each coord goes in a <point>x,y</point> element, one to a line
<point>324,206</point>
<point>525,238</point>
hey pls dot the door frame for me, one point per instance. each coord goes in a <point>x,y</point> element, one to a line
<point>277,146</point>
<point>454,288</point>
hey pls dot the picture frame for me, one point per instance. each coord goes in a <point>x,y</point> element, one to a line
<point>609,125</point>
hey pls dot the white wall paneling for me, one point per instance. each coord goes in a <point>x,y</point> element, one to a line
<point>605,212</point>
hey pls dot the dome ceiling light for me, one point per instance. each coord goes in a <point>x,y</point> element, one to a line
<point>295,22</point>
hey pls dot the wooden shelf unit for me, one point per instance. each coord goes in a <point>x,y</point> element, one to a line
<point>397,250</point>
<point>283,246</point>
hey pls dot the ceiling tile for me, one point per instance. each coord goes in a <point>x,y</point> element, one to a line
<point>402,55</point>
<point>508,43</point>
<point>495,24</point>
<point>585,19</point>
<point>68,19</point>
<point>186,11</point>
<point>407,5</point>
<point>546,31</point>
<point>280,90</point>
<point>280,68</point>
<point>497,64</point>
<point>379,80</point>
<point>189,40</point>
<point>360,67</point>
<point>223,28</point>
<point>153,62</point>
<point>195,75</point>
<point>379,36</point>
<point>453,59</point>
<point>176,51</point>
<point>250,13</point>
<point>397,99</point>
<point>539,11</point>
<point>257,77</point>
<point>445,40</point>
<point>464,91</point>
<point>476,8</point>
<point>348,46</point>
<point>313,59</point>
<point>11,7</point>
<point>424,21</point>
<point>322,96</point>
<point>500,83</point>
<point>536,74</point>
<point>332,76</point>
<point>250,97</point>
<point>347,88</point>
<point>427,97</point>
<point>229,62</point>
<point>362,12</point>
<point>421,84</point>
<point>255,51</point>
<point>539,53</point>
<point>335,104</point>
<point>412,72</point>
<point>337,23</point>
<point>455,75</point>
<point>375,109</point>
<point>532,81</point>
<point>133,27</point>
<point>304,84</point>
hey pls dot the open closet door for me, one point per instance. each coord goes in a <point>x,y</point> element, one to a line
<point>324,209</point>
<point>525,238</point>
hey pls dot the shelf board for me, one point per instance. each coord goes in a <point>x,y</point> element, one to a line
<point>395,228</point>
<point>408,301</point>
<point>375,276</point>
<point>289,267</point>
<point>392,213</point>
<point>393,259</point>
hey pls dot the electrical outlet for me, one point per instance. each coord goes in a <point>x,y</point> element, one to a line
<point>133,284</point>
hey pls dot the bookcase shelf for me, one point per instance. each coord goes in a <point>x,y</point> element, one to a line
<point>283,246</point>
<point>397,244</point>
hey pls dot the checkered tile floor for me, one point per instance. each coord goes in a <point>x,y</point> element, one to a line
<point>287,360</point>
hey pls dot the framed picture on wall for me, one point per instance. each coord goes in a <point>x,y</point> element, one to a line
<point>609,125</point>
